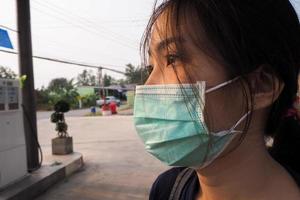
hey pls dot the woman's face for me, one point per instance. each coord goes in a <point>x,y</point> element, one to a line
<point>189,64</point>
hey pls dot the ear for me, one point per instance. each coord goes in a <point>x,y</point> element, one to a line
<point>266,87</point>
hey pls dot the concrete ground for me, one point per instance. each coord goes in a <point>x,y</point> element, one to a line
<point>116,164</point>
<point>71,113</point>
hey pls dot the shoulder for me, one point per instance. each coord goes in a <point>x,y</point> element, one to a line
<point>163,184</point>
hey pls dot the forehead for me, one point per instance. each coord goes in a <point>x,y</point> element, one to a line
<point>175,29</point>
<point>162,27</point>
<point>164,34</point>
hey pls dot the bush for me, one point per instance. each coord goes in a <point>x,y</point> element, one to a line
<point>89,100</point>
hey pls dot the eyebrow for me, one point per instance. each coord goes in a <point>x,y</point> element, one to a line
<point>166,42</point>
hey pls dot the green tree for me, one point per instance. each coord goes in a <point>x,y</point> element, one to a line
<point>7,73</point>
<point>86,78</point>
<point>136,75</point>
<point>121,82</point>
<point>62,89</point>
<point>92,79</point>
<point>59,85</point>
<point>42,99</point>
<point>89,100</point>
<point>108,80</point>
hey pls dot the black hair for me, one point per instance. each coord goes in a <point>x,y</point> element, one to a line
<point>244,35</point>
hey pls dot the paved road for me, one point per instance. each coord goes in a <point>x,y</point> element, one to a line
<point>116,165</point>
<point>71,113</point>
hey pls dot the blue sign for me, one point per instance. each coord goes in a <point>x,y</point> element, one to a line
<point>4,39</point>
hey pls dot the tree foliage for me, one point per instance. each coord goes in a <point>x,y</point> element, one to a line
<point>89,100</point>
<point>61,89</point>
<point>7,73</point>
<point>86,78</point>
<point>59,85</point>
<point>42,99</point>
<point>108,80</point>
<point>135,75</point>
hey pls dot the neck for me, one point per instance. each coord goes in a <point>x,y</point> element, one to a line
<point>240,174</point>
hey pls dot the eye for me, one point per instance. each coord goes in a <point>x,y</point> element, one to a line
<point>171,59</point>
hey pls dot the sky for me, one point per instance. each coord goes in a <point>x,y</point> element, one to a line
<point>105,33</point>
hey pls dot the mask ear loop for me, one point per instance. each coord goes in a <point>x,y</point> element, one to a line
<point>238,123</point>
<point>221,85</point>
<point>229,141</point>
<point>231,130</point>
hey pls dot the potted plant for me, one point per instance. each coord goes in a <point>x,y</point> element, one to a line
<point>63,143</point>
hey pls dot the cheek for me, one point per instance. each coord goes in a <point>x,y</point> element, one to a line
<point>181,74</point>
<point>224,107</point>
<point>204,68</point>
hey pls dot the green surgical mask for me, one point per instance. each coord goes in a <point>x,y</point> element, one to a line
<point>169,120</point>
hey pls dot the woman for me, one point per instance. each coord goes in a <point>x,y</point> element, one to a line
<point>223,83</point>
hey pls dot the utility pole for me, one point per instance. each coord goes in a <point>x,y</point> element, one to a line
<point>28,96</point>
<point>100,82</point>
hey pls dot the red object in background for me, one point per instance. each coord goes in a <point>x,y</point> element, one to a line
<point>113,107</point>
<point>105,107</point>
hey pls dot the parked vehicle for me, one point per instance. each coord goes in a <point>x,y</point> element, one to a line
<point>108,99</point>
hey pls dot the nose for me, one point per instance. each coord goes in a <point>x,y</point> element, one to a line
<point>155,78</point>
<point>151,80</point>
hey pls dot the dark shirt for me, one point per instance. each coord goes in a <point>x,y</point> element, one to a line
<point>163,185</point>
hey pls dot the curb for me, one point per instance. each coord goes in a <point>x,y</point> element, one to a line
<point>39,181</point>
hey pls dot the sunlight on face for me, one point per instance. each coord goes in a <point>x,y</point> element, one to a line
<point>176,59</point>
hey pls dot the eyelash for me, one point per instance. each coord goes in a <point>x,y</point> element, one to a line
<point>171,58</point>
